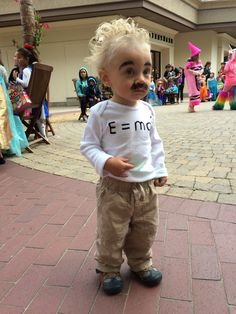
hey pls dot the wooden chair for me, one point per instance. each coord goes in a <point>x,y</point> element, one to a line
<point>37,89</point>
<point>49,127</point>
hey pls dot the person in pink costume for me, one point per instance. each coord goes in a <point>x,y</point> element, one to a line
<point>229,90</point>
<point>193,69</point>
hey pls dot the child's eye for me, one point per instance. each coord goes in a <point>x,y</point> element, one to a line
<point>129,71</point>
<point>147,72</point>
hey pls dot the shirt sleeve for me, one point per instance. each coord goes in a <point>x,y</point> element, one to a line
<point>25,79</point>
<point>158,156</point>
<point>90,145</point>
<point>79,89</point>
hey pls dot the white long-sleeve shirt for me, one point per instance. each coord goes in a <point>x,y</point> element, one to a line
<point>117,130</point>
<point>26,73</point>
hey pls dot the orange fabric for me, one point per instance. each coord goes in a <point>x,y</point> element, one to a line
<point>203,92</point>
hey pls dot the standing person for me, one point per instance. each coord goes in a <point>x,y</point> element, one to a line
<point>169,75</point>
<point>3,138</point>
<point>122,143</point>
<point>3,71</point>
<point>229,89</point>
<point>81,87</point>
<point>12,134</point>
<point>151,95</point>
<point>181,84</point>
<point>207,70</point>
<point>5,134</point>
<point>192,70</point>
<point>212,86</point>
<point>203,87</point>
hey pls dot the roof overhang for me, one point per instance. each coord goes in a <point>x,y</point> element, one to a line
<point>143,8</point>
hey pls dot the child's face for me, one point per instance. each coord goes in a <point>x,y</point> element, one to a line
<point>129,74</point>
<point>21,60</point>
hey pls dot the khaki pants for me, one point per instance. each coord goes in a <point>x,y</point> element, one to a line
<point>127,220</point>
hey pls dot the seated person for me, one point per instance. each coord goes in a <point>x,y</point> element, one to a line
<point>171,92</point>
<point>93,93</point>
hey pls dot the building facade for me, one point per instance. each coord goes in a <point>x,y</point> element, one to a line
<point>171,23</point>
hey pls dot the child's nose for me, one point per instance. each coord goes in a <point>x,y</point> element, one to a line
<point>140,78</point>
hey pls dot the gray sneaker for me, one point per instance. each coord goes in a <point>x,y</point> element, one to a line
<point>111,282</point>
<point>149,276</point>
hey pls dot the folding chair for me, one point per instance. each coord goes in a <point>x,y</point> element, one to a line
<point>37,90</point>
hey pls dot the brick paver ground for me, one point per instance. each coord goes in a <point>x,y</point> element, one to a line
<point>48,223</point>
<point>47,233</point>
<point>200,152</point>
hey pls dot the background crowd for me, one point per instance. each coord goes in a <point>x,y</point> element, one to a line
<point>89,89</point>
<point>167,89</point>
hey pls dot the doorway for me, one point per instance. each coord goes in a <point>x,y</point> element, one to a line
<point>156,64</point>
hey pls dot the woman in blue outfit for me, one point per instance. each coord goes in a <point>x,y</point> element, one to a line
<point>12,134</point>
<point>81,87</point>
<point>212,86</point>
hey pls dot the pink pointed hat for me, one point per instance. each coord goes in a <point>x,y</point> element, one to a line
<point>193,49</point>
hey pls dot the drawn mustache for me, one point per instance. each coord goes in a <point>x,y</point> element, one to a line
<point>139,86</point>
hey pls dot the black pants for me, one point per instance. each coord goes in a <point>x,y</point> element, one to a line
<point>181,93</point>
<point>83,105</point>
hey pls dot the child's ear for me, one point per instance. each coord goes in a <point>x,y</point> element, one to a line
<point>104,77</point>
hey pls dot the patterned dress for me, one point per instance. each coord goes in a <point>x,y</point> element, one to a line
<point>12,134</point>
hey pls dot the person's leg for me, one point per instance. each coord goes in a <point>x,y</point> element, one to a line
<point>142,232</point>
<point>143,227</point>
<point>181,93</point>
<point>220,100</point>
<point>232,98</point>
<point>83,106</point>
<point>113,217</point>
<point>194,100</point>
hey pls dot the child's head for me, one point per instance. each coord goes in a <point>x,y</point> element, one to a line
<point>212,74</point>
<point>160,83</point>
<point>91,81</point>
<point>25,57</point>
<point>22,56</point>
<point>121,52</point>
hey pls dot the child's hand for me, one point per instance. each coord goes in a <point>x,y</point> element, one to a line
<point>117,166</point>
<point>160,181</point>
<point>15,74</point>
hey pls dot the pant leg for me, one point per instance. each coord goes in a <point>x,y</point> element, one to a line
<point>113,217</point>
<point>143,226</point>
<point>220,100</point>
<point>83,105</point>
<point>181,93</point>
<point>232,103</point>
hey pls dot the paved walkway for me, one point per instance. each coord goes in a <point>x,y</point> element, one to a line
<point>48,223</point>
<point>200,152</point>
